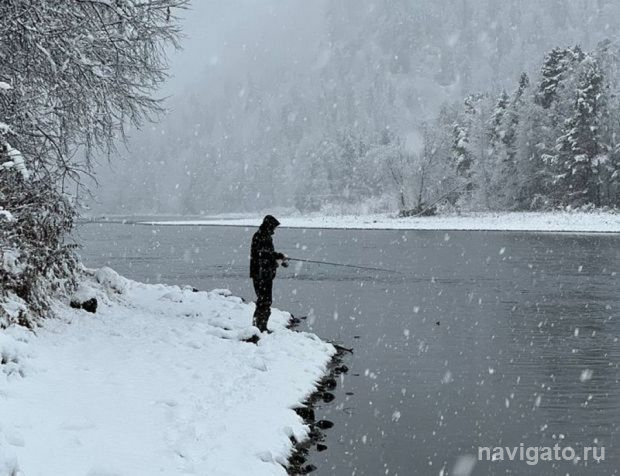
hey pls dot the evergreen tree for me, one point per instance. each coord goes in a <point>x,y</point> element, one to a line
<point>580,147</point>
<point>496,132</point>
<point>608,166</point>
<point>512,118</point>
<point>462,154</point>
<point>503,136</point>
<point>556,67</point>
<point>535,178</point>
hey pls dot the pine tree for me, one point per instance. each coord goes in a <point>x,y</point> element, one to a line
<point>556,67</point>
<point>534,177</point>
<point>608,165</point>
<point>462,155</point>
<point>503,137</point>
<point>513,116</point>
<point>460,152</point>
<point>496,132</point>
<point>496,150</point>
<point>581,146</point>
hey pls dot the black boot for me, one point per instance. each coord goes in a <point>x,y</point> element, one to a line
<point>261,318</point>
<point>262,323</point>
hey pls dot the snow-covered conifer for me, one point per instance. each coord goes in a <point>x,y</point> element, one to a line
<point>580,146</point>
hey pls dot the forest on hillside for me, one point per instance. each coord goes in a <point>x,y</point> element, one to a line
<point>362,106</point>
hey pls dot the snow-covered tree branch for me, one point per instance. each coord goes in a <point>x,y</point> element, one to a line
<point>81,71</point>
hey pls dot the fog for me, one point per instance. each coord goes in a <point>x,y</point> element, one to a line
<point>282,104</point>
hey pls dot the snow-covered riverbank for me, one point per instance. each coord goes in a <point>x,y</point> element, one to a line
<point>542,222</point>
<point>158,381</point>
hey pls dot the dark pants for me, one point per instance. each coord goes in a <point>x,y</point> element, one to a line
<point>263,289</point>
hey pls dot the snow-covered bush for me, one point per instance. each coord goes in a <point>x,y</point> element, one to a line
<point>36,262</point>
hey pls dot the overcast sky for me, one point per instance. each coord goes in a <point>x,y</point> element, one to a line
<point>217,34</point>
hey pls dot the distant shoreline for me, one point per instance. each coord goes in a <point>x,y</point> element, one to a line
<point>533,222</point>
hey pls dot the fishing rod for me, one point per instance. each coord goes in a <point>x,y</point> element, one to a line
<point>341,265</point>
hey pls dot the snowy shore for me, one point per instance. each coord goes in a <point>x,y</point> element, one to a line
<point>158,381</point>
<point>573,222</point>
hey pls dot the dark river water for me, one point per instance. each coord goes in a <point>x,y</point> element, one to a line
<point>481,339</point>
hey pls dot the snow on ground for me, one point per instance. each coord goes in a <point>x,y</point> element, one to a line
<point>525,221</point>
<point>156,382</point>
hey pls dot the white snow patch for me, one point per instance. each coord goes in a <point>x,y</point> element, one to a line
<point>6,215</point>
<point>10,261</point>
<point>16,161</point>
<point>111,280</point>
<point>146,386</point>
<point>4,128</point>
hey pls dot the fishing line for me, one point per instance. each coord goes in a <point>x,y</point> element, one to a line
<point>342,265</point>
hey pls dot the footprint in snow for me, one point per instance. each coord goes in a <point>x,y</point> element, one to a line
<point>265,456</point>
<point>15,439</point>
<point>221,333</point>
<point>259,364</point>
<point>168,402</point>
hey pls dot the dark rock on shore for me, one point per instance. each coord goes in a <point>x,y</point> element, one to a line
<point>90,305</point>
<point>324,424</point>
<point>252,340</point>
<point>327,397</point>
<point>315,435</point>
<point>297,459</point>
<point>341,369</point>
<point>297,462</point>
<point>306,413</point>
<point>329,383</point>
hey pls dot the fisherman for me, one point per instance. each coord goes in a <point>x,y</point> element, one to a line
<point>263,264</point>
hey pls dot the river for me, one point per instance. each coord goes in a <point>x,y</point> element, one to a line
<point>468,340</point>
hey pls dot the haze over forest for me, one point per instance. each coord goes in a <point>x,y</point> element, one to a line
<point>334,106</point>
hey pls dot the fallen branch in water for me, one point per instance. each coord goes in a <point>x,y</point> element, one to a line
<point>341,348</point>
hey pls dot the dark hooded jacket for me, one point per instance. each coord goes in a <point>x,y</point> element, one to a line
<point>263,256</point>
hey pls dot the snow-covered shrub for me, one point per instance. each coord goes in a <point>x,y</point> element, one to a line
<point>111,280</point>
<point>36,262</point>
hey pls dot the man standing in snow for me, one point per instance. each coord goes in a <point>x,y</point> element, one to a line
<point>263,265</point>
